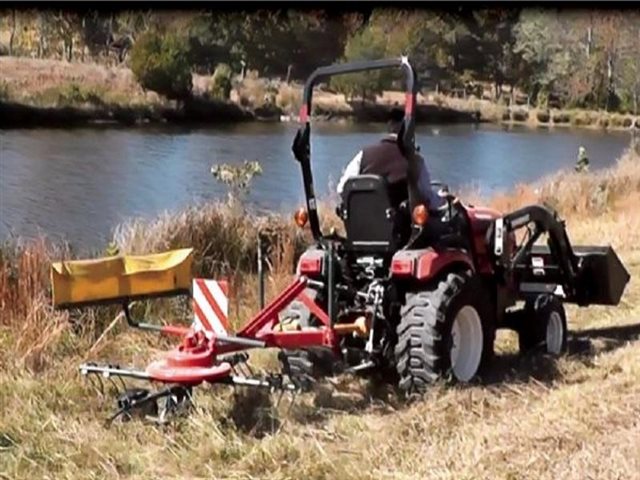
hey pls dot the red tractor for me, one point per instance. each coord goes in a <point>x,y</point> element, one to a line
<point>391,297</point>
<point>421,306</point>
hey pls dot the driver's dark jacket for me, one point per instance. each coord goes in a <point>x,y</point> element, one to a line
<point>385,159</point>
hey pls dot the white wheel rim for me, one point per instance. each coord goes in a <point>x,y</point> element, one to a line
<point>555,334</point>
<point>466,347</point>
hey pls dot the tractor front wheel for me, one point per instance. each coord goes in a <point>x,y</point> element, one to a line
<point>544,326</point>
<point>442,332</point>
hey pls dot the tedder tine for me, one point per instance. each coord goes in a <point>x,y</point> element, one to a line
<point>115,385</point>
<point>96,383</point>
<point>128,404</point>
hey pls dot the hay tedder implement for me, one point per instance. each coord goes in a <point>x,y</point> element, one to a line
<point>411,294</point>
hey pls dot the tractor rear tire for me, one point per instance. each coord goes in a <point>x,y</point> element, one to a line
<point>544,326</point>
<point>430,320</point>
<point>312,363</point>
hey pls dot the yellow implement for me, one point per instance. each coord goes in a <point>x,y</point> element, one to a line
<point>110,279</point>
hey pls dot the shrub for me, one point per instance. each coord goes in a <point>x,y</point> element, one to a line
<point>543,116</point>
<point>560,117</point>
<point>221,82</point>
<point>520,115</point>
<point>616,120</point>
<point>621,121</point>
<point>253,92</point>
<point>161,63</point>
<point>580,119</point>
<point>237,178</point>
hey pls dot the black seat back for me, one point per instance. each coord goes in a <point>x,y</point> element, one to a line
<point>369,216</point>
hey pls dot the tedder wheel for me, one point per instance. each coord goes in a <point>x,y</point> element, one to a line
<point>544,325</point>
<point>446,330</point>
<point>313,363</point>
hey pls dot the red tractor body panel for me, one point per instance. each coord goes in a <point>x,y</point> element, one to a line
<point>480,219</point>
<point>427,263</point>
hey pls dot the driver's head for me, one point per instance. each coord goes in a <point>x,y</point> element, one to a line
<point>396,116</point>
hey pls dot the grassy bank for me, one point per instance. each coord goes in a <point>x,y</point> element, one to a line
<point>55,93</point>
<point>489,111</point>
<point>60,94</point>
<point>533,417</point>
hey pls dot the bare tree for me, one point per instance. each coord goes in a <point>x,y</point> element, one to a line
<point>627,76</point>
<point>66,24</point>
<point>12,35</point>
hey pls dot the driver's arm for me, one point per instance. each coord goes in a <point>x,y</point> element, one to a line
<point>352,170</point>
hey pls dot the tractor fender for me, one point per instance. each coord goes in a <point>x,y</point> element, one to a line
<point>427,263</point>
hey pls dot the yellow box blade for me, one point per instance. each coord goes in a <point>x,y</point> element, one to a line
<point>111,279</point>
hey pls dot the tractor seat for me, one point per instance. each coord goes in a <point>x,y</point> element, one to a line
<point>372,222</point>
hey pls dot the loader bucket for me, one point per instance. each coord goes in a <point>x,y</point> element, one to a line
<point>121,278</point>
<point>602,278</point>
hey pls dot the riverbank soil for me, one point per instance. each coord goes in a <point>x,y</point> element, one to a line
<point>42,92</point>
<point>531,417</point>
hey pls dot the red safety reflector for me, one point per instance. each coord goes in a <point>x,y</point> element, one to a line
<point>402,266</point>
<point>311,265</point>
<point>304,114</point>
<point>210,306</point>
<point>408,104</point>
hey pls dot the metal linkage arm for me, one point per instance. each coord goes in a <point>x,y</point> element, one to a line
<point>177,330</point>
<point>546,221</point>
<point>267,314</point>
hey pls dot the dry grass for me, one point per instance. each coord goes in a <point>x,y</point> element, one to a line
<point>614,189</point>
<point>31,79</point>
<point>489,111</point>
<point>532,417</point>
<point>289,98</point>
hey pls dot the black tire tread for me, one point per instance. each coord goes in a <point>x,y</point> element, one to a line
<point>421,353</point>
<point>532,329</point>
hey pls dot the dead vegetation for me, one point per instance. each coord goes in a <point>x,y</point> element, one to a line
<point>532,417</point>
<point>39,81</point>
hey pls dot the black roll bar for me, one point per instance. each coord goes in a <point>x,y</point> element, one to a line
<point>301,144</point>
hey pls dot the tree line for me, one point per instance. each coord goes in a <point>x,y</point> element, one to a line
<point>568,58</point>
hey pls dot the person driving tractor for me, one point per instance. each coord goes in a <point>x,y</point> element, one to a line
<point>386,160</point>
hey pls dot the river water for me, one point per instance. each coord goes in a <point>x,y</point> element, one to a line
<point>78,184</point>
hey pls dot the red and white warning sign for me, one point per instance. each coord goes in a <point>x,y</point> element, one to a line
<point>210,306</point>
